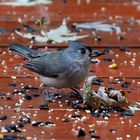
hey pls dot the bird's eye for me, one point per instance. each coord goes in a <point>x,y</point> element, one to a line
<point>83,51</point>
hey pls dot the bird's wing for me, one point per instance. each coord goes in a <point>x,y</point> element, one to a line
<point>26,51</point>
<point>49,65</point>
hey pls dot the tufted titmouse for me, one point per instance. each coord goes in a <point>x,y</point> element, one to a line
<point>60,69</point>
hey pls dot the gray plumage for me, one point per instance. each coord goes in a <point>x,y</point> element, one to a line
<point>60,69</point>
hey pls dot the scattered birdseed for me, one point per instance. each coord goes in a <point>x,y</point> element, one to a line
<point>125,84</point>
<point>81,133</point>
<point>42,132</point>
<point>113,66</point>
<point>95,114</point>
<point>34,123</point>
<point>35,94</point>
<point>13,84</point>
<point>75,105</point>
<point>126,113</point>
<point>2,94</point>
<point>30,87</point>
<point>75,116</point>
<point>27,97</point>
<point>12,128</point>
<point>3,117</point>
<point>88,111</point>
<point>97,38</point>
<point>13,77</point>
<point>27,28</point>
<point>34,115</point>
<point>107,59</point>
<point>113,130</point>
<point>128,136</point>
<point>96,53</point>
<point>97,81</point>
<point>123,48</point>
<point>20,124</point>
<point>95,137</point>
<point>65,120</point>
<point>57,118</point>
<point>13,137</point>
<point>44,107</point>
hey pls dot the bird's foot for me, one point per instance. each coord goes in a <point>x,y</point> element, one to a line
<point>49,96</point>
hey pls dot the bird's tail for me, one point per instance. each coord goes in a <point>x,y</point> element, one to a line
<point>23,51</point>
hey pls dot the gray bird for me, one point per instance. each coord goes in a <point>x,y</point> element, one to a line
<point>66,68</point>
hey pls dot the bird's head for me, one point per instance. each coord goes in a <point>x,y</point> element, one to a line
<point>78,50</point>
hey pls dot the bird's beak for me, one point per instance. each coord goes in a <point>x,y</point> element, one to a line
<point>91,55</point>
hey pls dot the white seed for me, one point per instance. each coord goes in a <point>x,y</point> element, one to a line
<point>57,118</point>
<point>42,132</point>
<point>128,136</point>
<point>13,77</point>
<point>103,9</point>
<point>125,62</point>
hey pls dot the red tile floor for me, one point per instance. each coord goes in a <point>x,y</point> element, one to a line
<point>13,77</point>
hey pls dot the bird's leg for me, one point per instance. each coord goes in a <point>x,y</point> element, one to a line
<point>77,93</point>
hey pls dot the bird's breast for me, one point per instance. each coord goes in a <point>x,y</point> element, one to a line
<point>58,82</point>
<point>78,73</point>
